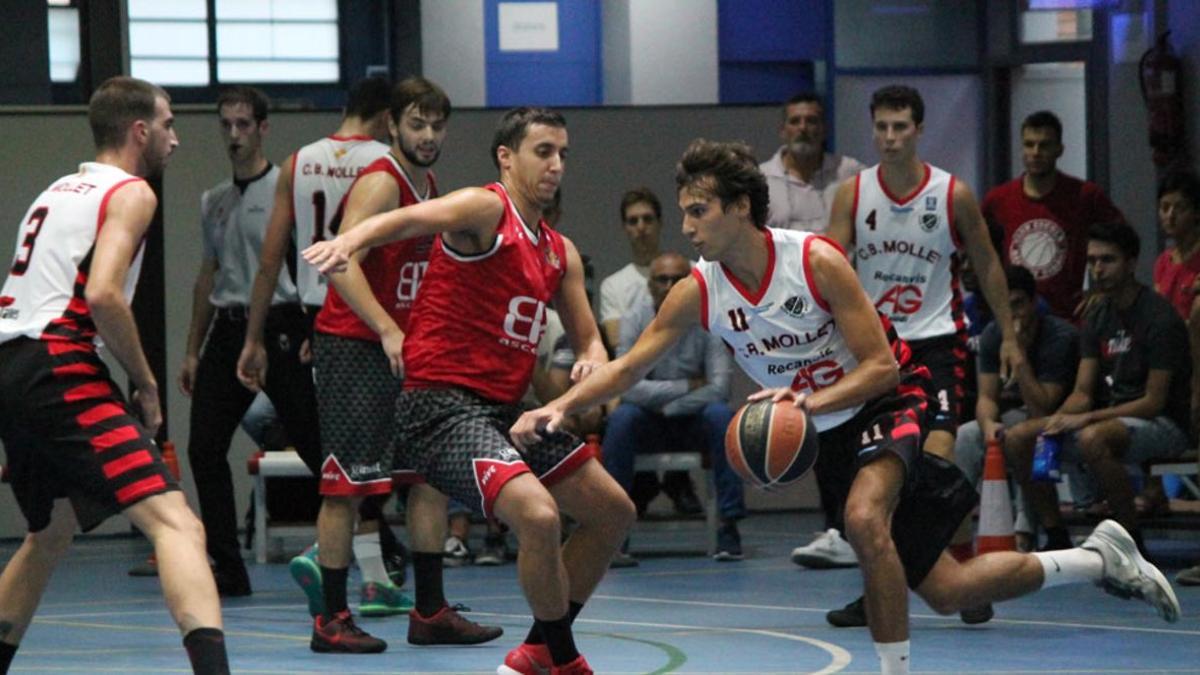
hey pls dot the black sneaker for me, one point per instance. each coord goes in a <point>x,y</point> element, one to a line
<point>976,615</point>
<point>729,542</point>
<point>853,615</point>
<point>448,627</point>
<point>684,499</point>
<point>340,634</point>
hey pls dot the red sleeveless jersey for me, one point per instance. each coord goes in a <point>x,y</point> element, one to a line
<point>393,270</point>
<point>478,319</point>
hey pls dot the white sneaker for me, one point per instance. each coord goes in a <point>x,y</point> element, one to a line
<point>827,551</point>
<point>455,553</point>
<point>1127,574</point>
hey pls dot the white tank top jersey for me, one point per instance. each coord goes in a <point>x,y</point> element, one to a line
<point>42,297</point>
<point>905,250</point>
<point>321,176</point>
<point>783,335</point>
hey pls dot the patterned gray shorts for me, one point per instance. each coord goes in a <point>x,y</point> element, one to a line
<point>356,397</point>
<point>459,441</point>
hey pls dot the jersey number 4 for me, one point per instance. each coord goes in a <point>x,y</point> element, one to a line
<point>32,227</point>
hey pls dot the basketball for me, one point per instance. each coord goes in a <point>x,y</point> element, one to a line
<point>770,444</point>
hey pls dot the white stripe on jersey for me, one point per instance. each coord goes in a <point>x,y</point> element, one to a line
<point>904,253</point>
<point>57,233</point>
<point>321,177</point>
<point>784,337</point>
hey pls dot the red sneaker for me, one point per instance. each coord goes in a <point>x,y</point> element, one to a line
<point>340,634</point>
<point>527,659</point>
<point>448,627</point>
<point>577,667</point>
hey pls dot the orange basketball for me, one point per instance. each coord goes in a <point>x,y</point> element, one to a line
<point>771,444</point>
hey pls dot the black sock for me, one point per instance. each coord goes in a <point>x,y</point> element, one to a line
<point>387,539</point>
<point>427,575</point>
<point>7,652</point>
<point>206,650</point>
<point>535,633</point>
<point>333,585</point>
<point>559,639</point>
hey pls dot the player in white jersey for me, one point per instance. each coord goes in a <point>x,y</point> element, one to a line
<point>68,432</point>
<point>791,307</point>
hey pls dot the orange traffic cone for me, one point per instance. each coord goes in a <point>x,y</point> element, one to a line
<point>995,506</point>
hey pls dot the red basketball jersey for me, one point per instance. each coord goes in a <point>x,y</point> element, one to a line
<point>393,270</point>
<point>478,319</point>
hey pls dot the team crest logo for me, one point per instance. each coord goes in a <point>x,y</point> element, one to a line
<point>1040,246</point>
<point>552,258</point>
<point>339,153</point>
<point>795,306</point>
<point>929,221</point>
<point>931,203</point>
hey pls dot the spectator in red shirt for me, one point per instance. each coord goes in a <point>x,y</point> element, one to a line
<point>1045,215</point>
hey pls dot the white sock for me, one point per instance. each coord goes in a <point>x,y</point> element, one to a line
<point>1070,566</point>
<point>893,657</point>
<point>370,558</point>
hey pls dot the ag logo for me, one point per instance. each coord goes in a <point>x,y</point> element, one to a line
<point>795,306</point>
<point>929,221</point>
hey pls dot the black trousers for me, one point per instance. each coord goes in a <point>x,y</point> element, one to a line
<point>219,401</point>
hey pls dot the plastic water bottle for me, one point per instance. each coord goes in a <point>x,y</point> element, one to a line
<point>1046,466</point>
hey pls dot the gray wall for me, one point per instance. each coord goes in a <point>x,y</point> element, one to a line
<point>611,150</point>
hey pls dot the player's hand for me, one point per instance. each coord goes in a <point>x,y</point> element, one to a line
<point>1064,422</point>
<point>146,400</point>
<point>306,355</point>
<point>393,346</point>
<point>532,426</point>
<point>330,256</point>
<point>799,399</point>
<point>187,374</point>
<point>252,365</point>
<point>583,368</point>
<point>992,430</point>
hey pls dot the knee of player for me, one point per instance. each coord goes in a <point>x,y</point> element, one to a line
<point>1093,443</point>
<point>942,599</point>
<point>619,510</point>
<point>539,519</point>
<point>867,528</point>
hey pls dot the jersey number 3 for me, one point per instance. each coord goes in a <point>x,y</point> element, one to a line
<point>32,228</point>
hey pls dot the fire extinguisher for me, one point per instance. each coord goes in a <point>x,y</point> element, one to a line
<point>1158,74</point>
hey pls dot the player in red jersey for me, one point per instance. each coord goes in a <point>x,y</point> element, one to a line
<point>68,432</point>
<point>468,358</point>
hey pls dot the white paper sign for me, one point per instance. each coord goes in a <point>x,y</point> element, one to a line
<point>528,26</point>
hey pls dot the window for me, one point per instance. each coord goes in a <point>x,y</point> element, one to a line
<point>277,41</point>
<point>1071,25</point>
<point>64,42</point>
<point>168,41</point>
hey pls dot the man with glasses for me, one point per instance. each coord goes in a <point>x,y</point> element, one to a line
<point>683,403</point>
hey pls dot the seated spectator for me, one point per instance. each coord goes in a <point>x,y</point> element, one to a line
<point>1038,385</point>
<point>1130,402</point>
<point>681,404</point>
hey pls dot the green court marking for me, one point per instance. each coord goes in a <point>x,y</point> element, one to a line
<point>675,655</point>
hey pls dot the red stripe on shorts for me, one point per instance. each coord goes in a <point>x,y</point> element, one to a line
<point>141,488</point>
<point>115,437</point>
<point>98,413</point>
<point>75,369</point>
<point>903,430</point>
<point>59,347</point>
<point>86,391</point>
<point>131,461</point>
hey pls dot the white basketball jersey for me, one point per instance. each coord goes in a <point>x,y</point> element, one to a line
<point>783,335</point>
<point>905,250</point>
<point>234,220</point>
<point>42,297</point>
<point>321,177</point>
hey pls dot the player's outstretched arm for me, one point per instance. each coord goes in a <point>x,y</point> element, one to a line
<point>130,209</point>
<point>679,312</point>
<point>252,362</point>
<point>858,322</point>
<point>470,212</point>
<point>578,321</point>
<point>841,215</point>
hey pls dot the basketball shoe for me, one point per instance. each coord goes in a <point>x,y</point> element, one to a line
<point>378,599</point>
<point>827,551</point>
<point>527,659</point>
<point>577,667</point>
<point>307,573</point>
<point>1127,574</point>
<point>340,634</point>
<point>448,627</point>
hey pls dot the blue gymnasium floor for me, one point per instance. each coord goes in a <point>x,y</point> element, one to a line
<point>683,614</point>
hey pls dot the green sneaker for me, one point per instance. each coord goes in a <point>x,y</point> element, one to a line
<point>383,600</point>
<point>305,570</point>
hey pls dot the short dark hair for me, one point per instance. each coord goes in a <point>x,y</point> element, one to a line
<point>727,170</point>
<point>117,103</point>
<point>1021,279</point>
<point>1182,181</point>
<point>250,96</point>
<point>368,97</point>
<point>1119,234</point>
<point>515,123</point>
<point>899,97</point>
<point>1043,119</point>
<point>803,97</point>
<point>427,96</point>
<point>641,195</point>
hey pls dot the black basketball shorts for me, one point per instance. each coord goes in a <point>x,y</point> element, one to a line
<point>946,359</point>
<point>459,442</point>
<point>69,433</point>
<point>356,402</point>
